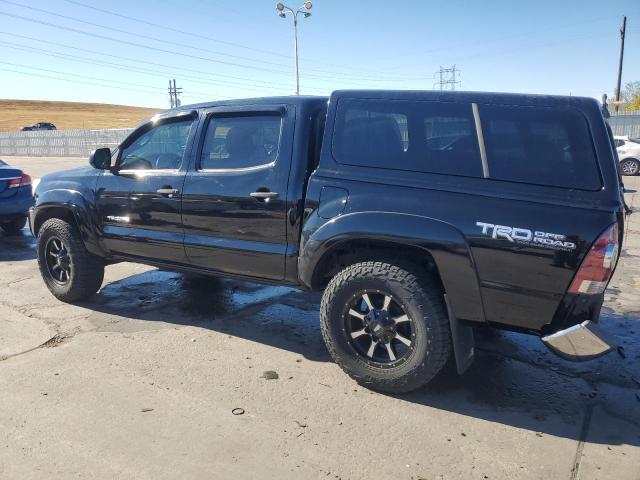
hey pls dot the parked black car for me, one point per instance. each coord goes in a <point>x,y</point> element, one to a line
<point>39,126</point>
<point>419,214</point>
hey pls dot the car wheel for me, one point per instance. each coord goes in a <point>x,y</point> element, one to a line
<point>70,272</point>
<point>15,226</point>
<point>630,166</point>
<point>385,326</point>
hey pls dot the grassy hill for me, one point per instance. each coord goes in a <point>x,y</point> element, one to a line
<point>15,114</point>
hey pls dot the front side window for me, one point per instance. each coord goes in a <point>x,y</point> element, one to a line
<point>160,148</point>
<point>539,145</point>
<point>431,137</point>
<point>241,141</point>
<point>618,143</point>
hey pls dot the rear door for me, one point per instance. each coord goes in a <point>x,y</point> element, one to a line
<point>235,199</point>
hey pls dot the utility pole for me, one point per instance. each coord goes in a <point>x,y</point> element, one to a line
<point>623,32</point>
<point>448,79</point>
<point>174,100</point>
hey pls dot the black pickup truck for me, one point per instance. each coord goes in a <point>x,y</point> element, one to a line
<point>419,214</point>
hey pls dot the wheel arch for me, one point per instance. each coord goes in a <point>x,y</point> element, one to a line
<point>69,206</point>
<point>431,244</point>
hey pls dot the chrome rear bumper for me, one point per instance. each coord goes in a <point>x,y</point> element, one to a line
<point>579,343</point>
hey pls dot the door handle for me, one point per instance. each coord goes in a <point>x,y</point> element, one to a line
<point>264,195</point>
<point>169,192</point>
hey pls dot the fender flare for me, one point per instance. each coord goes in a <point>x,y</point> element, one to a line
<point>81,209</point>
<point>444,242</point>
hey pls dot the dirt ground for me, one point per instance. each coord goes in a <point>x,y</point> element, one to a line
<point>142,382</point>
<point>15,114</point>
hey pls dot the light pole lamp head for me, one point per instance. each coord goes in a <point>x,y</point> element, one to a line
<point>306,14</point>
<point>308,5</point>
<point>280,7</point>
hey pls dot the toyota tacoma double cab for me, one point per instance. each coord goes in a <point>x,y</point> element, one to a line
<point>420,215</point>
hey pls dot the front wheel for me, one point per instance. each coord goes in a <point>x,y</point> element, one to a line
<point>70,272</point>
<point>630,166</point>
<point>15,226</point>
<point>385,326</point>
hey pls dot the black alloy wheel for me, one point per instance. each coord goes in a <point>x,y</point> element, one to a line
<point>378,328</point>
<point>58,261</point>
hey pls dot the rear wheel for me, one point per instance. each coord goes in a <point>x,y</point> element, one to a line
<point>386,326</point>
<point>15,226</point>
<point>70,272</point>
<point>630,166</point>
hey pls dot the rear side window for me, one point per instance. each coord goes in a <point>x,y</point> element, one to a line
<point>241,141</point>
<point>432,137</point>
<point>543,146</point>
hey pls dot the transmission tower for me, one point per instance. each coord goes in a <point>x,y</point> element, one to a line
<point>174,100</point>
<point>447,78</point>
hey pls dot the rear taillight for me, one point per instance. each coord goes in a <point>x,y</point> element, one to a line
<point>23,181</point>
<point>597,267</point>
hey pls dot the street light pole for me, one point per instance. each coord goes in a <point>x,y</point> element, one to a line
<point>284,11</point>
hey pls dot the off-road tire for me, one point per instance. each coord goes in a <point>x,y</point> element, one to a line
<point>14,226</point>
<point>421,295</point>
<point>87,270</point>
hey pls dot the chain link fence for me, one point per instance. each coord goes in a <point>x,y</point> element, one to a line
<point>60,143</point>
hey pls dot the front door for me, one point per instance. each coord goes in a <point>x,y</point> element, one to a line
<point>235,199</point>
<point>141,199</point>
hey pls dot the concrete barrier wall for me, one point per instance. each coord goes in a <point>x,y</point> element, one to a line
<point>627,124</point>
<point>62,143</point>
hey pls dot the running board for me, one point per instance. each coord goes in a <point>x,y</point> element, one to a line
<point>579,343</point>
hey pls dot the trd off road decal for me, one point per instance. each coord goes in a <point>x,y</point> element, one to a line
<point>554,241</point>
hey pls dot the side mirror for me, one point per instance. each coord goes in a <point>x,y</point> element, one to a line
<point>101,159</point>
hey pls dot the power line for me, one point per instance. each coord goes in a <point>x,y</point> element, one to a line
<point>449,47</point>
<point>128,85</point>
<point>120,67</point>
<point>326,75</point>
<point>139,35</point>
<point>177,30</point>
<point>205,37</point>
<point>39,75</point>
<point>135,60</point>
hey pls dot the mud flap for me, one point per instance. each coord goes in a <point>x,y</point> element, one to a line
<point>463,341</point>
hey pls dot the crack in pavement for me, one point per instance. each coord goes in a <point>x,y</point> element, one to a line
<point>580,447</point>
<point>57,340</point>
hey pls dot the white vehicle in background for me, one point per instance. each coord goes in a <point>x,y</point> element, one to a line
<point>629,154</point>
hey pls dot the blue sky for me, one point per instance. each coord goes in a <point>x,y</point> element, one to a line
<point>70,50</point>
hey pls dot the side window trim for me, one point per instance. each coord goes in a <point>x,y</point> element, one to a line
<point>146,127</point>
<point>243,111</point>
<point>481,145</point>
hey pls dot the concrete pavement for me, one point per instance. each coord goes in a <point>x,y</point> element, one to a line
<point>140,382</point>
